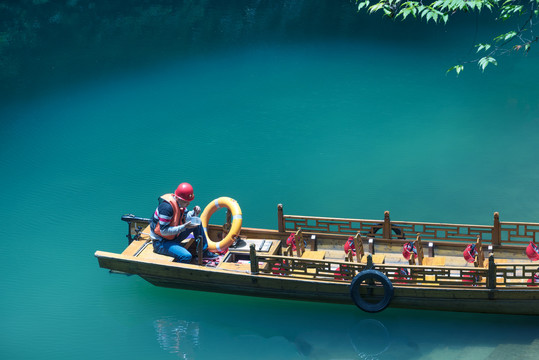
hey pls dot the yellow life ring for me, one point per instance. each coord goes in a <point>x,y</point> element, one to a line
<point>234,208</point>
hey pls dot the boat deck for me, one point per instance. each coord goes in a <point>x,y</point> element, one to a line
<point>238,259</point>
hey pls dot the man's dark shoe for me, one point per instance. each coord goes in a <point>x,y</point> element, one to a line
<point>209,255</point>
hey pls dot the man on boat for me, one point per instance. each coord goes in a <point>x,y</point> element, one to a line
<point>169,226</point>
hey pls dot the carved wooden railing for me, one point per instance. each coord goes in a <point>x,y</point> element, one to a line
<point>446,232</point>
<point>514,275</point>
<point>518,232</point>
<point>499,275</point>
<point>506,233</point>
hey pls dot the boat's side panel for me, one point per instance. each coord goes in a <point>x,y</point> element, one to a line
<point>186,276</point>
<point>499,301</point>
<point>193,277</point>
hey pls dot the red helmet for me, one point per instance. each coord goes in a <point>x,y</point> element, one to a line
<point>532,251</point>
<point>408,249</point>
<point>291,240</point>
<point>185,192</point>
<point>349,245</point>
<point>469,253</point>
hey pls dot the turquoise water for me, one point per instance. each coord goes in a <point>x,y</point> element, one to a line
<point>328,127</point>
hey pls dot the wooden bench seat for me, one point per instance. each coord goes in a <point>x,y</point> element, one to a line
<point>496,261</point>
<point>376,259</point>
<point>434,261</point>
<point>314,255</point>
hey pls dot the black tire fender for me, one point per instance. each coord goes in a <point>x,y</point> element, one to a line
<point>362,303</point>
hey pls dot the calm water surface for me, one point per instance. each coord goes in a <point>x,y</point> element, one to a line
<point>345,128</point>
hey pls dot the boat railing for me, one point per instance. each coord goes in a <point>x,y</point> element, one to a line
<point>513,275</point>
<point>518,232</point>
<point>501,233</point>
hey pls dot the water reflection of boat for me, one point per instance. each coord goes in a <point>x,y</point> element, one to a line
<point>190,339</point>
<point>312,266</point>
<point>178,337</point>
<point>370,338</point>
<point>316,331</point>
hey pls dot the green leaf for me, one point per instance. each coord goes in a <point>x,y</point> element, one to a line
<point>506,36</point>
<point>482,47</point>
<point>445,17</point>
<point>484,61</point>
<point>376,7</point>
<point>404,13</point>
<point>457,68</point>
<point>363,4</point>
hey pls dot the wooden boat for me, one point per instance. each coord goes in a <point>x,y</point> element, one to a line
<point>435,277</point>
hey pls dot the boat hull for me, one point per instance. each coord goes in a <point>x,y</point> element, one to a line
<point>193,277</point>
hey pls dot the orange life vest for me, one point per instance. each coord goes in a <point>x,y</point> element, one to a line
<point>177,215</point>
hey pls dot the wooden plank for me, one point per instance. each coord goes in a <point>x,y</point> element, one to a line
<point>376,259</point>
<point>137,245</point>
<point>148,253</point>
<point>480,257</point>
<point>300,246</point>
<point>431,278</point>
<point>133,247</point>
<point>315,255</point>
<point>358,244</point>
<point>394,223</point>
<point>434,261</point>
<point>275,247</point>
<point>419,247</point>
<point>235,266</point>
<point>496,261</point>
